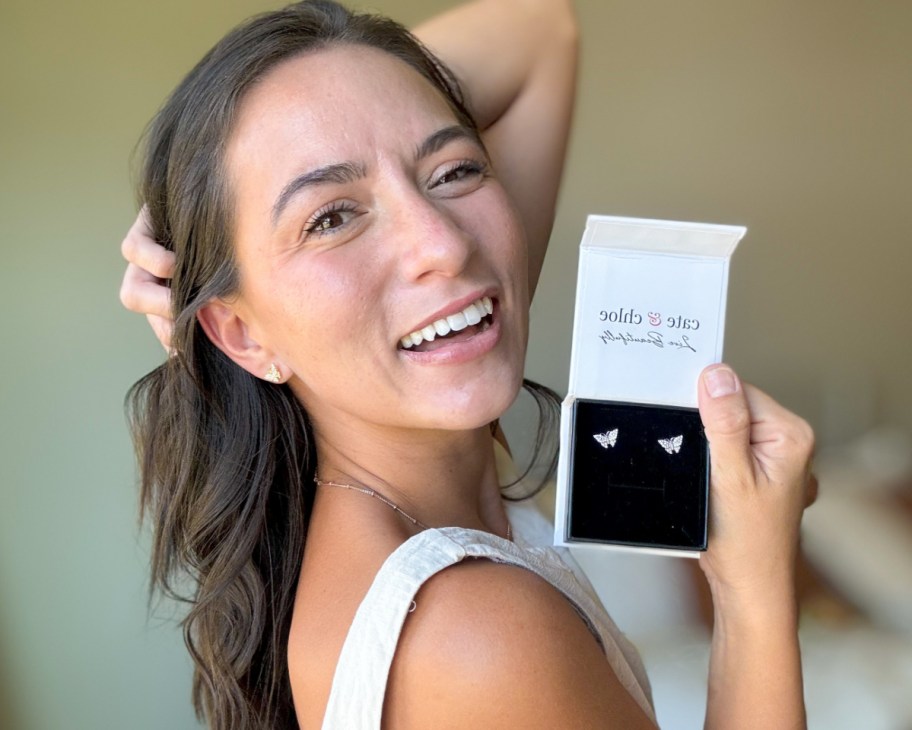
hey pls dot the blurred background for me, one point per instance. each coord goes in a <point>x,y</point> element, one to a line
<point>791,117</point>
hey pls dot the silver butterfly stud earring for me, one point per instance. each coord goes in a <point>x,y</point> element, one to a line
<point>672,445</point>
<point>609,438</point>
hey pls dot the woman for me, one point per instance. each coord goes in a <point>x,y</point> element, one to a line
<point>351,255</point>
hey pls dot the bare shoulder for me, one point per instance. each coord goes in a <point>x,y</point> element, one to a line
<point>494,645</point>
<point>337,572</point>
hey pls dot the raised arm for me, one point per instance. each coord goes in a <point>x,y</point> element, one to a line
<point>517,62</point>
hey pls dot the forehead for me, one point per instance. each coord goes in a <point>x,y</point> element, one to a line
<point>332,104</point>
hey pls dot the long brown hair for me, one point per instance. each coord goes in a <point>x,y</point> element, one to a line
<point>227,460</point>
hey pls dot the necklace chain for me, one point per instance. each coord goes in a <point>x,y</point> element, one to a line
<point>388,502</point>
<point>373,493</point>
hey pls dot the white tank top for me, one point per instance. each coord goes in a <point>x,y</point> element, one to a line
<point>359,683</point>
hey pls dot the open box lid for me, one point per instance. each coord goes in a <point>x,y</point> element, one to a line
<point>650,308</point>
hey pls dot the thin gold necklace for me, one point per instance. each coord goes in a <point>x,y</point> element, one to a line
<point>388,502</point>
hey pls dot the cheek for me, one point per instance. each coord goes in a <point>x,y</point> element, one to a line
<point>513,232</point>
<point>322,309</point>
<point>516,254</point>
<point>493,218</point>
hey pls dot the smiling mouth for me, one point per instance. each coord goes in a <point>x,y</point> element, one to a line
<point>458,327</point>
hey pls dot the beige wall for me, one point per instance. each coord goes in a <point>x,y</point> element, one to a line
<point>790,117</point>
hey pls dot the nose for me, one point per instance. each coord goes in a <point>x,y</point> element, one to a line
<point>432,238</point>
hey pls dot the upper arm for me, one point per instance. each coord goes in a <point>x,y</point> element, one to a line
<point>517,62</point>
<point>492,645</point>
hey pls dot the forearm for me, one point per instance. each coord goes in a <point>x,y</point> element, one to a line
<point>494,46</point>
<point>755,666</point>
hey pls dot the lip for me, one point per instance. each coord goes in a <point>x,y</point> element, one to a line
<point>459,352</point>
<point>453,307</point>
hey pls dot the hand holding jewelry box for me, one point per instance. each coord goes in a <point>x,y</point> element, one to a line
<point>650,315</point>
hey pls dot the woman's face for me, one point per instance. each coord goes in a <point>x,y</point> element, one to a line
<point>364,214</point>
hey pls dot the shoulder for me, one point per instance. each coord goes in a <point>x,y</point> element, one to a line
<point>337,572</point>
<point>495,645</point>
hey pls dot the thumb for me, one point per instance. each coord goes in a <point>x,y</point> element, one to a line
<point>726,421</point>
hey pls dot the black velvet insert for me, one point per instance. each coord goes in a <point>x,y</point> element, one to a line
<point>635,492</point>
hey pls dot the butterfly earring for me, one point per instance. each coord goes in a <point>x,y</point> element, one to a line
<point>672,445</point>
<point>609,438</point>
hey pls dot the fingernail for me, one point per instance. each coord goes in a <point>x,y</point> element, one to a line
<point>720,382</point>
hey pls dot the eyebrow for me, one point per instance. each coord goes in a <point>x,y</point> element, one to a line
<point>442,137</point>
<point>338,174</point>
<point>346,172</point>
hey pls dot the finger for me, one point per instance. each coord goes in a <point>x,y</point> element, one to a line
<point>769,417</point>
<point>727,422</point>
<point>811,491</point>
<point>783,442</point>
<point>143,293</point>
<point>163,328</point>
<point>143,223</point>
<point>141,249</point>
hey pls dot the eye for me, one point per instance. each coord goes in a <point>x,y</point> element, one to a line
<point>465,174</point>
<point>328,219</point>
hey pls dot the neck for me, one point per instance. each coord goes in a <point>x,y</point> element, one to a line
<point>441,478</point>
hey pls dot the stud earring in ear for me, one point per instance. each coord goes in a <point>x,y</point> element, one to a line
<point>273,375</point>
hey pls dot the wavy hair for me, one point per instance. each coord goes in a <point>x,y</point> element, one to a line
<point>227,460</point>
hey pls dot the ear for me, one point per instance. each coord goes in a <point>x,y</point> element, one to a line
<point>230,334</point>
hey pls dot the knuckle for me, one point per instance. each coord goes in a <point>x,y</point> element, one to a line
<point>128,297</point>
<point>165,263</point>
<point>128,248</point>
<point>732,421</point>
<point>810,440</point>
<point>807,432</point>
<point>800,436</point>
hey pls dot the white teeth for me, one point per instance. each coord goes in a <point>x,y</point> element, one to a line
<point>457,321</point>
<point>471,315</point>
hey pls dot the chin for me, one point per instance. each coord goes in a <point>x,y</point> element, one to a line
<point>473,407</point>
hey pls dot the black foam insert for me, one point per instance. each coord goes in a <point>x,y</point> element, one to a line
<point>637,491</point>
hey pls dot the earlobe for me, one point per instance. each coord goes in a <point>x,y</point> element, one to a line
<point>273,374</point>
<point>230,334</point>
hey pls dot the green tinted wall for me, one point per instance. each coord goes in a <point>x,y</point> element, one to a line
<point>790,117</point>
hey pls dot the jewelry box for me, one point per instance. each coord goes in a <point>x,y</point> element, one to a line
<point>650,315</point>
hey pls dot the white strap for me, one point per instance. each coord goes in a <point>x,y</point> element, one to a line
<point>360,680</point>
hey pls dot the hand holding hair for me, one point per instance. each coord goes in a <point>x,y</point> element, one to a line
<point>144,288</point>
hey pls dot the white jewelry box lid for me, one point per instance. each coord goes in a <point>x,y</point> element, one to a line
<point>650,308</point>
<point>649,316</point>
